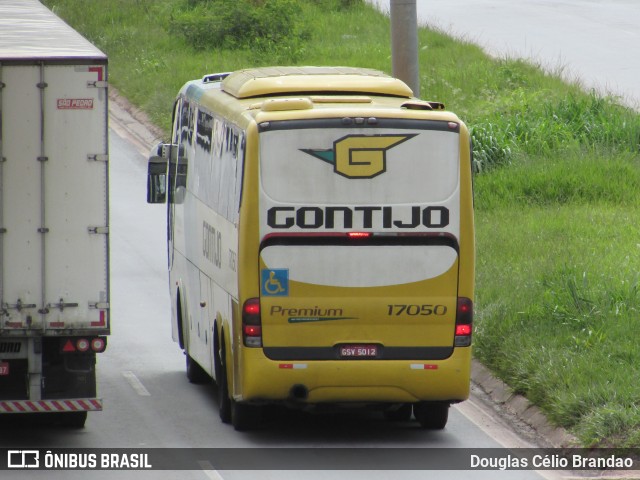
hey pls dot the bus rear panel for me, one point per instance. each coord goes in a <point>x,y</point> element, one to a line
<point>359,263</point>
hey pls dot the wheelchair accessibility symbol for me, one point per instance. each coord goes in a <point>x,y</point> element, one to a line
<point>275,282</point>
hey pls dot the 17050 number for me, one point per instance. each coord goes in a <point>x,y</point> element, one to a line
<point>397,310</point>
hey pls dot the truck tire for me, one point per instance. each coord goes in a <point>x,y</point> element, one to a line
<point>74,419</point>
<point>431,415</point>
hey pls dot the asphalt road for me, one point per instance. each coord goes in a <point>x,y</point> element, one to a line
<point>593,41</point>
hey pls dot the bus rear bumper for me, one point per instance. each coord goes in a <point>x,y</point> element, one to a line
<point>348,381</point>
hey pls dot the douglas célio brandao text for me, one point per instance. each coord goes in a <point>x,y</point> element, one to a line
<point>574,461</point>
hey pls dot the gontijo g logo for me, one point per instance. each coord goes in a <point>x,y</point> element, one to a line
<point>359,156</point>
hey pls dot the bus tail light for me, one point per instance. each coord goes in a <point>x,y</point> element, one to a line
<point>251,323</point>
<point>355,235</point>
<point>464,322</point>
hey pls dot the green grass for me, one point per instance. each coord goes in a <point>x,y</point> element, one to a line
<point>557,188</point>
<point>565,332</point>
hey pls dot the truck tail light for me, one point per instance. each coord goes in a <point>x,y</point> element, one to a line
<point>83,345</point>
<point>98,344</point>
<point>251,323</point>
<point>464,322</point>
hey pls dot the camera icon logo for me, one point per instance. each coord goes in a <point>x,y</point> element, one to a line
<point>23,459</point>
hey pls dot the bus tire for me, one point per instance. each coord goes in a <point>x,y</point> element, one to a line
<point>224,399</point>
<point>195,373</point>
<point>431,415</point>
<point>179,321</point>
<point>401,413</point>
<point>245,417</point>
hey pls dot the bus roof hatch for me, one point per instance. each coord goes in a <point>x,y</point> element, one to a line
<point>325,80</point>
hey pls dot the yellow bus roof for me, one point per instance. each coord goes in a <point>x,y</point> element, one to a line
<point>257,82</point>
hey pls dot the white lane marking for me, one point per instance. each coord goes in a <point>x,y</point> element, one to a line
<point>136,383</point>
<point>209,471</point>
<point>496,428</point>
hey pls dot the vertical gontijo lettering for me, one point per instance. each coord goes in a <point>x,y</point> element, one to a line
<point>212,244</point>
<point>359,156</point>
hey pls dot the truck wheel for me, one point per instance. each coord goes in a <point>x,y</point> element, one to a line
<point>431,415</point>
<point>245,417</point>
<point>74,419</point>
<point>195,373</point>
<point>224,399</point>
<point>398,414</point>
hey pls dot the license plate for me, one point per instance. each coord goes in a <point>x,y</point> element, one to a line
<point>4,368</point>
<point>358,351</point>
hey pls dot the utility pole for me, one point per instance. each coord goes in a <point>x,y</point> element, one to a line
<point>404,43</point>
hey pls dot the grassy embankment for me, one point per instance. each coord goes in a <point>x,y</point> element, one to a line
<point>557,193</point>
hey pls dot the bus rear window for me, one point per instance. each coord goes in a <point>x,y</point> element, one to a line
<point>352,166</point>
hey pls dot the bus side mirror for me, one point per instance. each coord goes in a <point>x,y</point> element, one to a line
<point>159,159</point>
<point>157,180</point>
<point>157,175</point>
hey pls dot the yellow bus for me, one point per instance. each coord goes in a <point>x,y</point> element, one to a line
<point>320,241</point>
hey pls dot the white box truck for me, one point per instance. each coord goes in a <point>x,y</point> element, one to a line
<point>54,216</point>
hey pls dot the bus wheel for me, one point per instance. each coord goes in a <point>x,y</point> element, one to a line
<point>431,415</point>
<point>244,416</point>
<point>401,413</point>
<point>195,373</point>
<point>224,400</point>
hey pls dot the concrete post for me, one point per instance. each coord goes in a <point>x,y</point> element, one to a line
<point>404,43</point>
